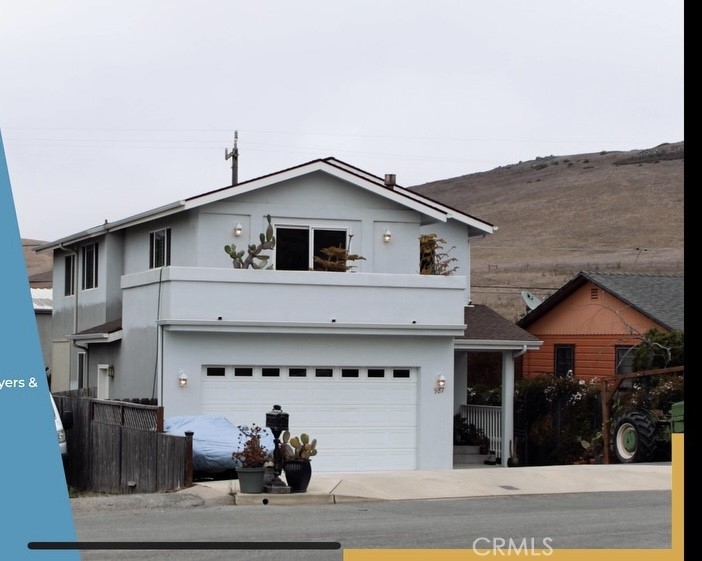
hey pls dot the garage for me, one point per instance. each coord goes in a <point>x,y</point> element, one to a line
<point>364,418</point>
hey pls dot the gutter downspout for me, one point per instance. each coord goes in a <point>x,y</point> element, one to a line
<point>75,311</point>
<point>517,354</point>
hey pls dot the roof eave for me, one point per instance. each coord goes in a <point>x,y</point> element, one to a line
<point>496,345</point>
<point>102,229</point>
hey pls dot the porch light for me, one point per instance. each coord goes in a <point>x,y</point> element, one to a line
<point>182,379</point>
<point>441,382</point>
<point>387,236</point>
<point>238,229</point>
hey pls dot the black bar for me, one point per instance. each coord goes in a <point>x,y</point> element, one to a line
<point>183,545</point>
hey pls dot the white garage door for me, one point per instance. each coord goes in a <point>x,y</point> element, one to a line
<point>364,419</point>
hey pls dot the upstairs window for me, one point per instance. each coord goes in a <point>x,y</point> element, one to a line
<point>296,247</point>
<point>90,266</point>
<point>160,248</point>
<point>69,275</point>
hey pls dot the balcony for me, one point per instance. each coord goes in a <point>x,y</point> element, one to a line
<point>305,300</point>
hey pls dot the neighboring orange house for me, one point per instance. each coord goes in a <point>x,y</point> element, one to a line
<point>591,324</point>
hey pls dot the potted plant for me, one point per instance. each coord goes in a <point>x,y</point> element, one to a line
<point>465,433</point>
<point>251,459</point>
<point>297,453</point>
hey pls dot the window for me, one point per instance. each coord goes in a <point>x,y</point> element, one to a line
<point>297,372</point>
<point>349,372</point>
<point>69,275</point>
<point>295,252</point>
<point>624,357</point>
<point>323,372</point>
<point>401,373</point>
<point>376,373</point>
<point>564,359</point>
<point>90,266</point>
<point>270,372</point>
<point>82,370</point>
<point>160,248</point>
<point>215,371</point>
<point>240,371</point>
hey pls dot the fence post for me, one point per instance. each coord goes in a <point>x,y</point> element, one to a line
<point>159,419</point>
<point>188,458</point>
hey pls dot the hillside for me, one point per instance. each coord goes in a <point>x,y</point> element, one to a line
<point>558,215</point>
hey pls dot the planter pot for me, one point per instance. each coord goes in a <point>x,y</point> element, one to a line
<point>251,479</point>
<point>298,474</point>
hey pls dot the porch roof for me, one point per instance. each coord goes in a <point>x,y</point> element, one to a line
<point>103,333</point>
<point>486,330</point>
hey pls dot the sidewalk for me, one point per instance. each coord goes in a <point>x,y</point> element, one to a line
<point>336,488</point>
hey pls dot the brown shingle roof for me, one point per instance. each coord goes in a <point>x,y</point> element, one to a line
<point>485,324</point>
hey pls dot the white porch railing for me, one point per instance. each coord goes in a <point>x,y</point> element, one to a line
<point>489,419</point>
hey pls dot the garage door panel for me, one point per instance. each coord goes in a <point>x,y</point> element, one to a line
<point>361,424</point>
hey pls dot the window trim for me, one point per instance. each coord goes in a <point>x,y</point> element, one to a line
<point>155,263</point>
<point>69,275</point>
<point>619,358</point>
<point>89,277</point>
<point>311,229</point>
<point>559,347</point>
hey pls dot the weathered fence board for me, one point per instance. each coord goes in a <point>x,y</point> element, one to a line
<point>120,447</point>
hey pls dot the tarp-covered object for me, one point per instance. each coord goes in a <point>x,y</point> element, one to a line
<point>214,440</point>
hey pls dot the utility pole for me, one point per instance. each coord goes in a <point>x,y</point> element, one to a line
<point>234,155</point>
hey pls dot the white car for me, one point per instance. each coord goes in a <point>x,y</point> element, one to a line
<point>60,429</point>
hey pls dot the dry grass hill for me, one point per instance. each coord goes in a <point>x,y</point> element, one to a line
<point>558,215</point>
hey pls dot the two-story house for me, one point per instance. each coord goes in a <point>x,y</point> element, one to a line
<point>370,361</point>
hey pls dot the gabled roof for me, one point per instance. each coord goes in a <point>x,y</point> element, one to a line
<point>658,297</point>
<point>488,330</point>
<point>362,179</point>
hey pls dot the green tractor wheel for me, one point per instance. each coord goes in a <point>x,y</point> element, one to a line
<point>634,437</point>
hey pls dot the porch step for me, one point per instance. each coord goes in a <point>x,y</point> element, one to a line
<point>467,455</point>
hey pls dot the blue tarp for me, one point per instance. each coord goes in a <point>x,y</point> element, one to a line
<point>214,440</point>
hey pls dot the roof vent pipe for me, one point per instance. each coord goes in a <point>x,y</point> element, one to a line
<point>389,179</point>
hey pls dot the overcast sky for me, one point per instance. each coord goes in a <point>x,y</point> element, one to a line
<point>111,108</point>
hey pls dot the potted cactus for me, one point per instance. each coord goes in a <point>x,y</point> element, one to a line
<point>297,453</point>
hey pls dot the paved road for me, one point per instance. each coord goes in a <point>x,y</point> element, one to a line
<point>639,519</point>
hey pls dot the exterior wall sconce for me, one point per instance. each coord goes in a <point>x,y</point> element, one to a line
<point>238,229</point>
<point>387,235</point>
<point>440,384</point>
<point>182,379</point>
<point>111,371</point>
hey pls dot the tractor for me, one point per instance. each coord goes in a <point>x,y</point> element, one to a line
<point>639,434</point>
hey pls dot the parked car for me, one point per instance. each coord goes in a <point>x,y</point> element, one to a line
<point>62,424</point>
<point>215,439</point>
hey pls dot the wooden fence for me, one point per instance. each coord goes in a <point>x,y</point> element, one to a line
<point>120,447</point>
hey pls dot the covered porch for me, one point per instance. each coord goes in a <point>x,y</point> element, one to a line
<point>488,332</point>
